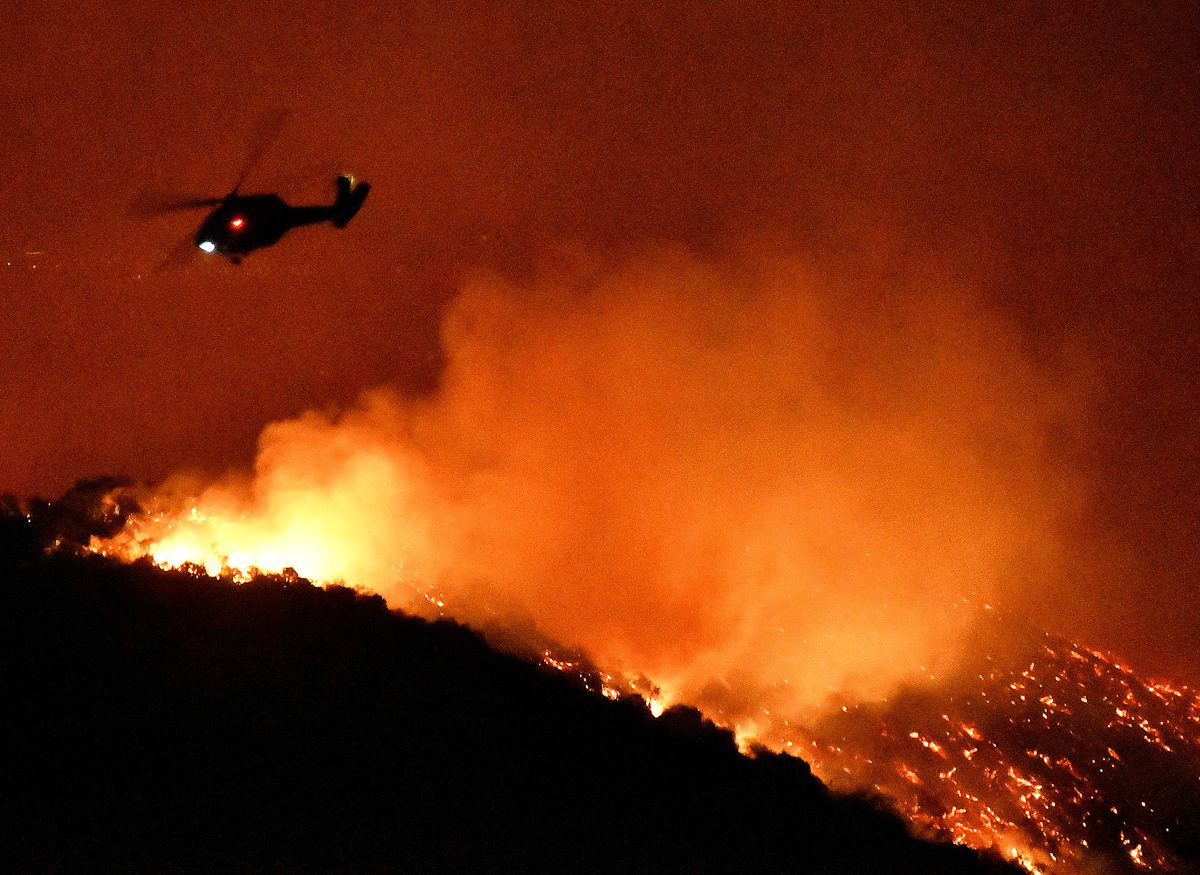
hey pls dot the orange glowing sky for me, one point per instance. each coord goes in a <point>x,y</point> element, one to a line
<point>985,199</point>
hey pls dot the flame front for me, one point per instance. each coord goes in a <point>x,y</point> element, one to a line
<point>330,504</point>
<point>233,546</point>
<point>224,533</point>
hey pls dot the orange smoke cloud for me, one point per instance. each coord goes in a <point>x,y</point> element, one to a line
<point>752,478</point>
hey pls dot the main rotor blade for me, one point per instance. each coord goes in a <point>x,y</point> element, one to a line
<point>149,204</point>
<point>267,131</point>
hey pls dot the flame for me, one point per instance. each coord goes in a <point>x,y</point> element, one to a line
<point>303,513</point>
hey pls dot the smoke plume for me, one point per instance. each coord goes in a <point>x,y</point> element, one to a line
<point>753,477</point>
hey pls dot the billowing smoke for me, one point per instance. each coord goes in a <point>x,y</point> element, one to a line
<point>753,477</point>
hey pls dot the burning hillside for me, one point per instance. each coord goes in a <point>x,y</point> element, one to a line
<point>1056,756</point>
<point>160,721</point>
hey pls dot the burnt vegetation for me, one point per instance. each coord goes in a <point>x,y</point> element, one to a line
<point>169,721</point>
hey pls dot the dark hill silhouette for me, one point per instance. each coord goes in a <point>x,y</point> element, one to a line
<point>160,721</point>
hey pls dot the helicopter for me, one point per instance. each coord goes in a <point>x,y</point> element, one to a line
<point>241,223</point>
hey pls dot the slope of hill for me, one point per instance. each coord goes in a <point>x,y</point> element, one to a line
<point>169,721</point>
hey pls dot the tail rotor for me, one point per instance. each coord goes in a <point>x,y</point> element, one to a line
<point>349,199</point>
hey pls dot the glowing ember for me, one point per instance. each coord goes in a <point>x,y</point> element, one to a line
<point>1057,758</point>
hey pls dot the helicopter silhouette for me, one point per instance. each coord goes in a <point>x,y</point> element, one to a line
<point>242,223</point>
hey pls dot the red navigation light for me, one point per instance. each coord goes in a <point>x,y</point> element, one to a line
<point>237,223</point>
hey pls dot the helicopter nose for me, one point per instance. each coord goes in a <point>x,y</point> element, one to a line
<point>207,246</point>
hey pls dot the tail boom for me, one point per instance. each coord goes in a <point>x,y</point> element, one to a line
<point>345,206</point>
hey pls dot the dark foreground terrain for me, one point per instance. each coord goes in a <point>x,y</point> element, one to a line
<point>169,722</point>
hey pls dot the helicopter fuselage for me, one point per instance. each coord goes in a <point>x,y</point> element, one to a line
<point>243,223</point>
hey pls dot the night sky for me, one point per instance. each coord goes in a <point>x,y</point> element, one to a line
<point>1022,178</point>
